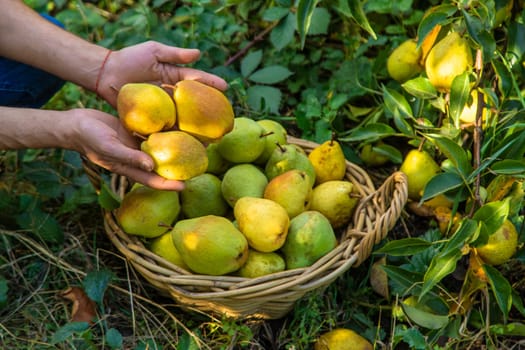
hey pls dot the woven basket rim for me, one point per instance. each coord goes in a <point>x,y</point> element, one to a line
<point>375,215</point>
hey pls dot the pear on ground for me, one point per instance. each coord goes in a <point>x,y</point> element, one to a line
<point>245,143</point>
<point>203,111</point>
<point>260,264</point>
<point>243,180</point>
<point>310,237</point>
<point>274,134</point>
<point>287,157</point>
<point>336,200</point>
<point>147,212</point>
<point>292,190</point>
<point>164,247</point>
<point>145,108</point>
<point>202,195</point>
<point>210,245</point>
<point>328,161</point>
<point>176,154</point>
<point>217,165</point>
<point>419,167</point>
<point>263,222</point>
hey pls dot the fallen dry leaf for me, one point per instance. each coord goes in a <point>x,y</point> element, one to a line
<point>84,309</point>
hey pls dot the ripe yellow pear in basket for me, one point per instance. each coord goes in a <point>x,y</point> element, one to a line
<point>210,245</point>
<point>264,223</point>
<point>243,180</point>
<point>147,212</point>
<point>292,190</point>
<point>287,157</point>
<point>328,161</point>
<point>403,63</point>
<point>450,57</point>
<point>419,167</point>
<point>145,108</point>
<point>342,339</point>
<point>274,134</point>
<point>202,111</point>
<point>163,246</point>
<point>336,200</point>
<point>202,195</point>
<point>259,264</point>
<point>310,237</point>
<point>176,154</point>
<point>245,143</point>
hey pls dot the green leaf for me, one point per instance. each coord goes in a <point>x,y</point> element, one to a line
<point>264,98</point>
<point>68,330</point>
<point>505,84</point>
<point>369,132</point>
<point>516,329</point>
<point>501,289</point>
<point>319,22</point>
<point>508,167</point>
<point>354,9</point>
<point>270,75</point>
<point>404,247</point>
<point>420,87</point>
<point>424,318</point>
<point>4,288</point>
<point>250,62</point>
<point>283,33</point>
<point>441,266</point>
<point>459,96</point>
<point>40,223</point>
<point>108,199</point>
<point>454,152</point>
<point>95,284</point>
<point>408,281</point>
<point>275,13</point>
<point>441,183</point>
<point>396,101</point>
<point>114,338</point>
<point>466,233</point>
<point>305,10</point>
<point>480,35</point>
<point>187,342</point>
<point>438,15</point>
<point>493,215</point>
<point>391,152</point>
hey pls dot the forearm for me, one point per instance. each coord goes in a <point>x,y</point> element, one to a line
<point>31,39</point>
<point>36,128</point>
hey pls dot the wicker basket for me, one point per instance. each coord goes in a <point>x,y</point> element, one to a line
<point>271,296</point>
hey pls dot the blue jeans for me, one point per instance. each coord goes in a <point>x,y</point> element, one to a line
<point>24,86</point>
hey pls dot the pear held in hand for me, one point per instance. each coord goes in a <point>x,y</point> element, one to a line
<point>176,154</point>
<point>210,245</point>
<point>202,111</point>
<point>145,108</point>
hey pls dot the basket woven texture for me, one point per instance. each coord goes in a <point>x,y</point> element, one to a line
<point>271,296</point>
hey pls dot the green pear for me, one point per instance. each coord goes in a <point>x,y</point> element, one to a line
<point>147,212</point>
<point>310,237</point>
<point>202,195</point>
<point>287,157</point>
<point>177,155</point>
<point>274,134</point>
<point>243,180</point>
<point>336,200</point>
<point>292,190</point>
<point>419,167</point>
<point>217,165</point>
<point>260,264</point>
<point>263,222</point>
<point>210,245</point>
<point>244,143</point>
<point>164,247</point>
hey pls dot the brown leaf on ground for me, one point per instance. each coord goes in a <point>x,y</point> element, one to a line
<point>84,309</point>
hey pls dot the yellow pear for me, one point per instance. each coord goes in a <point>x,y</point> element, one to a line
<point>419,167</point>
<point>202,196</point>
<point>310,237</point>
<point>292,190</point>
<point>202,111</point>
<point>342,339</point>
<point>243,180</point>
<point>328,161</point>
<point>164,247</point>
<point>274,134</point>
<point>403,63</point>
<point>469,112</point>
<point>287,157</point>
<point>145,108</point>
<point>264,223</point>
<point>176,154</point>
<point>336,200</point>
<point>245,143</point>
<point>147,212</point>
<point>210,245</point>
<point>450,57</point>
<point>259,264</point>
<point>501,245</point>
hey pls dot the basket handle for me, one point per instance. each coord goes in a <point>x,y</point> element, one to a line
<point>377,214</point>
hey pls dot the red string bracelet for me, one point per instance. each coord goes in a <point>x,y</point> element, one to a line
<point>102,70</point>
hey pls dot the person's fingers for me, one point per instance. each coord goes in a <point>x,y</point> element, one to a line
<point>176,55</point>
<point>151,179</point>
<point>183,73</point>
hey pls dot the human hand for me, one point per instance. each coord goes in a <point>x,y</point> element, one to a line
<point>104,141</point>
<point>151,62</point>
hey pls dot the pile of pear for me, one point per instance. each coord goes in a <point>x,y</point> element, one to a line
<point>262,205</point>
